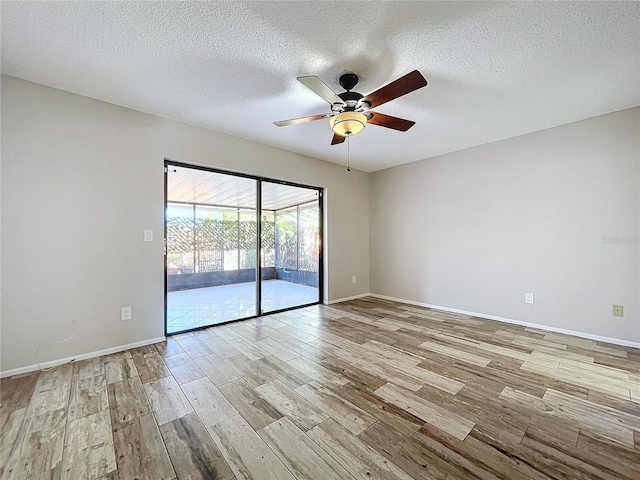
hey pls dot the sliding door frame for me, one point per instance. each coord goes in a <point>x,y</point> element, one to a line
<point>168,163</point>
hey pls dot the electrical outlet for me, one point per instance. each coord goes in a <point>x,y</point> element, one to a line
<point>528,298</point>
<point>353,279</point>
<point>126,313</point>
<point>148,235</point>
<point>618,311</point>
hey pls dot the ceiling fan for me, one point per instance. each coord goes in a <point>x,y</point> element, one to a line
<point>350,110</point>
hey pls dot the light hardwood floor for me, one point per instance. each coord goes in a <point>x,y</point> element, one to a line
<point>366,389</point>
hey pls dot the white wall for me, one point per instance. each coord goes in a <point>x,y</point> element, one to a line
<point>82,179</point>
<point>476,229</point>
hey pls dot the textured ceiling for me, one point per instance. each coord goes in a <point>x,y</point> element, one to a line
<point>495,69</point>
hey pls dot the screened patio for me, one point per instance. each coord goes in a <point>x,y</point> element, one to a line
<point>211,231</point>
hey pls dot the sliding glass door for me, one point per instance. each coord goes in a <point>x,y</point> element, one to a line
<point>212,223</point>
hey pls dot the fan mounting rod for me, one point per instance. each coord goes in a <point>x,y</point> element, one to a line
<point>348,81</point>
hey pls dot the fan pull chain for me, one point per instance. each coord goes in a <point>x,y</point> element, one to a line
<point>348,155</point>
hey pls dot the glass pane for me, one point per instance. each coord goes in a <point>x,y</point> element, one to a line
<point>290,246</point>
<point>211,248</point>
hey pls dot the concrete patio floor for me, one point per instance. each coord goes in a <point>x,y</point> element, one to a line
<point>187,309</point>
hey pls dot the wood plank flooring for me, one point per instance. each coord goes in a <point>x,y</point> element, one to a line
<point>365,389</point>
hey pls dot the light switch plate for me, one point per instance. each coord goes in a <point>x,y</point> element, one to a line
<point>126,313</point>
<point>148,235</point>
<point>529,298</point>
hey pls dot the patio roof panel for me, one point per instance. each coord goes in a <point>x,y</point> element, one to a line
<point>212,188</point>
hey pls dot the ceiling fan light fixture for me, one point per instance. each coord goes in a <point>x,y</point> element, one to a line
<point>347,124</point>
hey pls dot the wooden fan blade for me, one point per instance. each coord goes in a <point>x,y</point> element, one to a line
<point>390,122</point>
<point>320,88</point>
<point>293,121</point>
<point>407,84</point>
<point>337,139</point>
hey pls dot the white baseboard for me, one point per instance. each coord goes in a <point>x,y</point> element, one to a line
<point>338,300</point>
<point>76,358</point>
<point>85,356</point>
<point>590,336</point>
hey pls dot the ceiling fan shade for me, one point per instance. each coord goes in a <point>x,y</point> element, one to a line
<point>407,84</point>
<point>347,124</point>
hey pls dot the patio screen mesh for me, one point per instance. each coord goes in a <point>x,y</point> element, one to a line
<point>199,243</point>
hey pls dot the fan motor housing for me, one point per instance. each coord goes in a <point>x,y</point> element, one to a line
<point>351,99</point>
<point>350,96</point>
